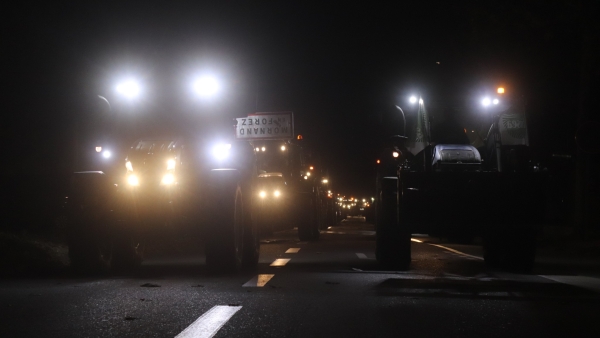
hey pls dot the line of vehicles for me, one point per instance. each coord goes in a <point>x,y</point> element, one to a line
<point>457,177</point>
<point>224,194</point>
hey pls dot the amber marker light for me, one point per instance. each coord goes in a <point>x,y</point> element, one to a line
<point>500,90</point>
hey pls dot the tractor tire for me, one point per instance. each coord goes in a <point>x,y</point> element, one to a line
<point>225,235</point>
<point>392,235</point>
<point>308,223</point>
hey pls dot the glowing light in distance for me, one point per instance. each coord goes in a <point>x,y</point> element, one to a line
<point>206,86</point>
<point>282,148</point>
<point>413,99</point>
<point>106,154</point>
<point>395,154</point>
<point>496,101</point>
<point>98,149</point>
<point>305,177</point>
<point>378,161</point>
<point>129,88</point>
<point>308,173</point>
<point>262,194</point>
<point>263,148</point>
<point>133,180</point>
<point>257,149</point>
<point>170,164</point>
<point>500,90</point>
<point>420,101</point>
<point>486,101</point>
<point>311,167</point>
<point>325,181</point>
<point>168,179</point>
<point>277,193</point>
<point>128,166</point>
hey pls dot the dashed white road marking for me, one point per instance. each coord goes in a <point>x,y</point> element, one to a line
<point>292,250</point>
<point>210,322</point>
<point>280,262</point>
<point>456,251</point>
<point>361,255</point>
<point>589,283</point>
<point>258,281</point>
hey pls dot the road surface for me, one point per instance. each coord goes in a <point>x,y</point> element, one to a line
<point>329,288</point>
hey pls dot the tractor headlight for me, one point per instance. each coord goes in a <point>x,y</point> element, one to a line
<point>221,151</point>
<point>171,164</point>
<point>133,180</point>
<point>168,179</point>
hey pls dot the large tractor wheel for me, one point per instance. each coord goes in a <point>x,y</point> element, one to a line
<point>392,233</point>
<point>308,223</point>
<point>89,217</point>
<point>251,243</point>
<point>225,235</point>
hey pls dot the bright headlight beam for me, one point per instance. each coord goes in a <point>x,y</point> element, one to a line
<point>168,179</point>
<point>276,193</point>
<point>486,101</point>
<point>413,99</point>
<point>170,164</point>
<point>133,180</point>
<point>262,194</point>
<point>496,101</point>
<point>129,88</point>
<point>106,154</point>
<point>221,151</point>
<point>206,86</point>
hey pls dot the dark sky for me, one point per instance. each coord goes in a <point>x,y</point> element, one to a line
<point>340,67</point>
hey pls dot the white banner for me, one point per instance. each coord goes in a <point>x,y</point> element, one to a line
<point>513,129</point>
<point>265,126</point>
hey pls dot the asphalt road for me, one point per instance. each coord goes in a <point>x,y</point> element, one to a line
<point>329,288</point>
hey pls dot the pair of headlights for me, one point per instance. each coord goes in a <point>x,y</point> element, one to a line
<point>167,179</point>
<point>263,194</point>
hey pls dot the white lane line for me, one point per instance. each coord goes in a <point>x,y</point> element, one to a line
<point>292,250</point>
<point>361,255</point>
<point>456,251</point>
<point>280,262</point>
<point>258,281</point>
<point>589,283</point>
<point>210,322</point>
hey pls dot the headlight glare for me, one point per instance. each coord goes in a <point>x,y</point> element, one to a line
<point>262,194</point>
<point>128,166</point>
<point>133,180</point>
<point>221,151</point>
<point>168,179</point>
<point>170,164</point>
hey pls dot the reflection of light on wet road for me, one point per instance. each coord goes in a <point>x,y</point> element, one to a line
<point>258,281</point>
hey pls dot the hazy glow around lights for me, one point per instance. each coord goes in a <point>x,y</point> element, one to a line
<point>413,99</point>
<point>486,102</point>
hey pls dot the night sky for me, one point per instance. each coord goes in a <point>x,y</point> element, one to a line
<point>340,68</point>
